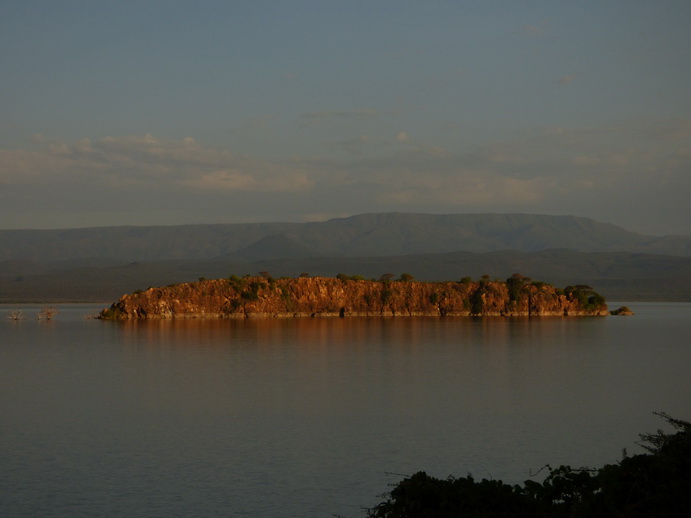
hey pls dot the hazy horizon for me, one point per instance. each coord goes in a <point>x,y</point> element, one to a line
<point>58,228</point>
<point>169,113</point>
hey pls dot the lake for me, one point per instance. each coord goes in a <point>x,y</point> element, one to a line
<point>316,417</point>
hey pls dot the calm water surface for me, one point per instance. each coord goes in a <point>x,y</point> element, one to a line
<point>314,417</point>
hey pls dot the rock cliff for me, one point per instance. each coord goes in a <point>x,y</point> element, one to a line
<point>321,296</point>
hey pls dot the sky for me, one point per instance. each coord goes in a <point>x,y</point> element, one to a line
<point>172,112</point>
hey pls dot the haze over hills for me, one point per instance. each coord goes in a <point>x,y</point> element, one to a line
<point>100,264</point>
<point>357,236</point>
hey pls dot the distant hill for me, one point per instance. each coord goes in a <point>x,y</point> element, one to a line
<point>357,236</point>
<point>100,264</point>
<point>275,246</point>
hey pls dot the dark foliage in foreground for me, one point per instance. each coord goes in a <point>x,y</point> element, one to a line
<point>653,484</point>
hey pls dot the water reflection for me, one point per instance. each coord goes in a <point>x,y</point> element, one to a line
<point>315,332</point>
<point>302,417</point>
<point>419,366</point>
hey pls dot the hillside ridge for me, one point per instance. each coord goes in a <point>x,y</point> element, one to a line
<point>360,235</point>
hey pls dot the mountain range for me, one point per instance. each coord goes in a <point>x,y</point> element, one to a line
<point>99,264</point>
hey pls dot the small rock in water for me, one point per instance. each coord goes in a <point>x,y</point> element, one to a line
<point>623,311</point>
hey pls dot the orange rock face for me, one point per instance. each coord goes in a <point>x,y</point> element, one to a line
<point>321,296</point>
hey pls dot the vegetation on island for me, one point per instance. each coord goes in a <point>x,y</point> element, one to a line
<point>623,310</point>
<point>652,484</point>
<point>353,295</point>
<point>47,313</point>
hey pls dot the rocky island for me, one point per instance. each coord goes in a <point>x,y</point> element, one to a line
<point>345,296</point>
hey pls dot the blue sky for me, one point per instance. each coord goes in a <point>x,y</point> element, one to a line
<point>168,112</point>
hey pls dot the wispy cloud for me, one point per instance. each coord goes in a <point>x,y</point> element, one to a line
<point>261,123</point>
<point>147,162</point>
<point>237,180</point>
<point>538,29</point>
<point>356,145</point>
<point>318,118</point>
<point>595,171</point>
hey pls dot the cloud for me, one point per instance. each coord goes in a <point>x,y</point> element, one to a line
<point>146,162</point>
<point>467,187</point>
<point>262,123</point>
<point>618,173</point>
<point>355,146</point>
<point>321,117</point>
<point>587,161</point>
<point>234,180</point>
<point>539,29</point>
<point>637,172</point>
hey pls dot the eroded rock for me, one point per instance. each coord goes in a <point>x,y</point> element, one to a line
<point>323,296</point>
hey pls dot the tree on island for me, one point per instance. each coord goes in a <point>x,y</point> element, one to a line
<point>16,314</point>
<point>47,313</point>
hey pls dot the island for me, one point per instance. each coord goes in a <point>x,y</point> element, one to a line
<point>346,296</point>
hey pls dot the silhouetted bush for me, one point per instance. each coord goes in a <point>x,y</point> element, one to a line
<point>653,484</point>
